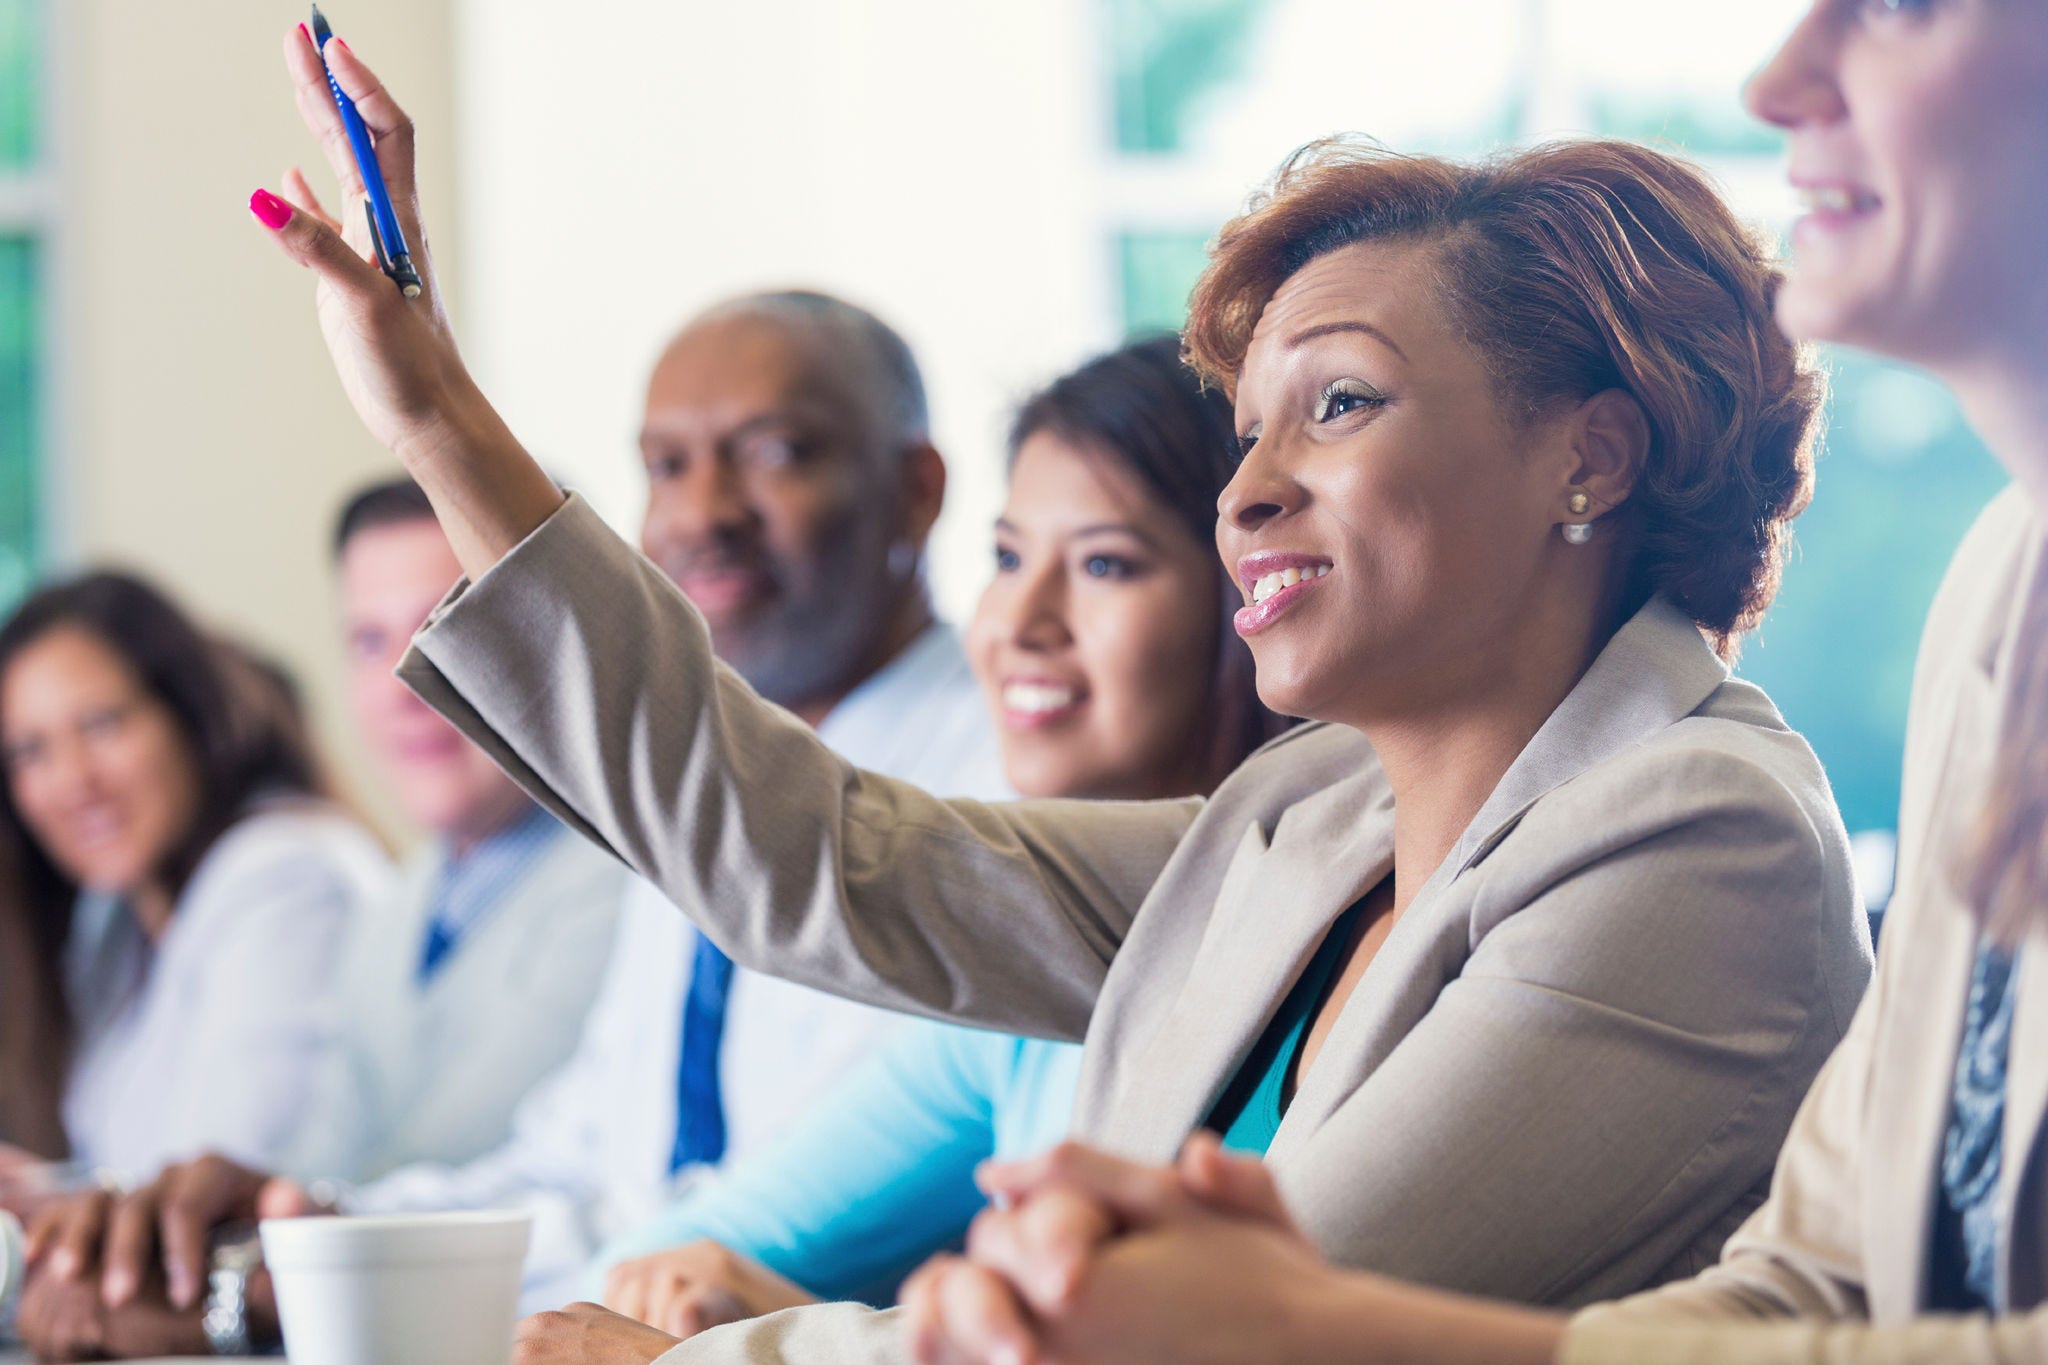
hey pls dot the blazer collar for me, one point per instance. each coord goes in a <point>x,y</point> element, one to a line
<point>1280,895</point>
<point>1656,670</point>
<point>1276,901</point>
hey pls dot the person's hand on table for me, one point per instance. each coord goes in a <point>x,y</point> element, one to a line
<point>687,1289</point>
<point>1090,1258</point>
<point>65,1320</point>
<point>587,1334</point>
<point>397,357</point>
<point>122,1240</point>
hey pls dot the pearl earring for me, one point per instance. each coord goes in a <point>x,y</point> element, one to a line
<point>1578,533</point>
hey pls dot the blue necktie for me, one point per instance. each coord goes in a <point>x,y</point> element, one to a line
<point>700,1117</point>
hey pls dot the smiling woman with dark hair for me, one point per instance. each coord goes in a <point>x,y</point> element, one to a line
<point>1513,967</point>
<point>184,883</point>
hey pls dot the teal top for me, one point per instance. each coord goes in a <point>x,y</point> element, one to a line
<point>1249,1112</point>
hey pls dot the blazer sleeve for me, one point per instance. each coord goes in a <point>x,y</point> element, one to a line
<point>586,674</point>
<point>1609,1075</point>
<point>1972,1340</point>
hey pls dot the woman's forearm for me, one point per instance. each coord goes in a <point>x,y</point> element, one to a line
<point>1360,1318</point>
<point>488,492</point>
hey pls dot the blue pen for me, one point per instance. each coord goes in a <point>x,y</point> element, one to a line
<point>385,233</point>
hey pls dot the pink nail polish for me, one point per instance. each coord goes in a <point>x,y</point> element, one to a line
<point>307,34</point>
<point>270,210</point>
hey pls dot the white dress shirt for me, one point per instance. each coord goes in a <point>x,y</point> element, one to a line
<point>210,1039</point>
<point>432,1066</point>
<point>591,1145</point>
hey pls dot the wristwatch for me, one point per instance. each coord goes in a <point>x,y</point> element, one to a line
<point>236,1254</point>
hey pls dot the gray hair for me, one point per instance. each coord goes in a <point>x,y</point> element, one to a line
<point>871,342</point>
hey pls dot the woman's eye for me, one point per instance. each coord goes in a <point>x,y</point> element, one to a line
<point>1006,560</point>
<point>101,724</point>
<point>1108,566</point>
<point>1902,8</point>
<point>1346,396</point>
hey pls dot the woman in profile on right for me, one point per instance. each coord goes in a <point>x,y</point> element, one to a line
<point>1908,1217</point>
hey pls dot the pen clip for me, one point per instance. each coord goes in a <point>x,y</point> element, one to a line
<point>376,238</point>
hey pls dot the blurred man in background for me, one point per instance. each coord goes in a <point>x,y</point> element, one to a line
<point>471,985</point>
<point>792,485</point>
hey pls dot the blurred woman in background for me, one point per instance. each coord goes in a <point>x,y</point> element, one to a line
<point>1104,646</point>
<point>182,886</point>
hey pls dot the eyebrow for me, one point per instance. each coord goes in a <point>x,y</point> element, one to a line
<point>1303,337</point>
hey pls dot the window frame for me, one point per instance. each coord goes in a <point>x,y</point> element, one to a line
<point>31,200</point>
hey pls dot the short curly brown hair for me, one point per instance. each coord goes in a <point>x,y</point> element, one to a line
<point>1578,267</point>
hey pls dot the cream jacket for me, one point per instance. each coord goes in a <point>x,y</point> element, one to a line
<point>1563,1078</point>
<point>1842,1243</point>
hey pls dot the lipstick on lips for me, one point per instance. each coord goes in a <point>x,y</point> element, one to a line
<point>1273,580</point>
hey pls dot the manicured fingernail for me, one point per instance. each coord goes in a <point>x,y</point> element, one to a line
<point>342,43</point>
<point>63,1263</point>
<point>183,1291</point>
<point>118,1288</point>
<point>270,210</point>
<point>305,33</point>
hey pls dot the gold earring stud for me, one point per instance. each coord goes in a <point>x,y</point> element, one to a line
<point>1579,504</point>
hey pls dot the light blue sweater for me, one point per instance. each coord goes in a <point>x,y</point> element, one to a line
<point>881,1174</point>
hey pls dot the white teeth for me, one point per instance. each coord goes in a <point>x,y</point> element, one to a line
<point>1037,698</point>
<point>1286,578</point>
<point>1834,199</point>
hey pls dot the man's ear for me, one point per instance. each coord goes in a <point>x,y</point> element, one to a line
<point>1610,440</point>
<point>924,490</point>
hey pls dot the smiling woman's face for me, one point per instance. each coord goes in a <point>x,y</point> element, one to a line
<point>1381,468</point>
<point>1918,131</point>
<point>1096,640</point>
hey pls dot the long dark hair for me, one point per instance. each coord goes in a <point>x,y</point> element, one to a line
<point>1141,406</point>
<point>241,717</point>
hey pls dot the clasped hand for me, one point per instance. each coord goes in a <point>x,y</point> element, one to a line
<point>1087,1259</point>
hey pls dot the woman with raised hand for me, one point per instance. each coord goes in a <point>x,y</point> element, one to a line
<point>1105,649</point>
<point>183,884</point>
<point>1513,966</point>
<point>1907,1215</point>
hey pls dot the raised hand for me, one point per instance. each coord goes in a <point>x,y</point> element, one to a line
<point>397,357</point>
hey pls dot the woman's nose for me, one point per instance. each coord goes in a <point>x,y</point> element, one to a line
<point>1260,491</point>
<point>1799,84</point>
<point>1037,616</point>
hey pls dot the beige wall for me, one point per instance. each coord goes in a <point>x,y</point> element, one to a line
<point>199,433</point>
<point>933,160</point>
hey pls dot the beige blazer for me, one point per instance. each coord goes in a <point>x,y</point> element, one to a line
<point>1843,1240</point>
<point>1564,1076</point>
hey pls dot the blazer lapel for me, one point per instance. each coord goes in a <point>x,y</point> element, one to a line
<point>1272,909</point>
<point>1912,1084</point>
<point>1656,670</point>
<point>2026,1078</point>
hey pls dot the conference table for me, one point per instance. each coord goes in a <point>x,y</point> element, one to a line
<point>15,1355</point>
